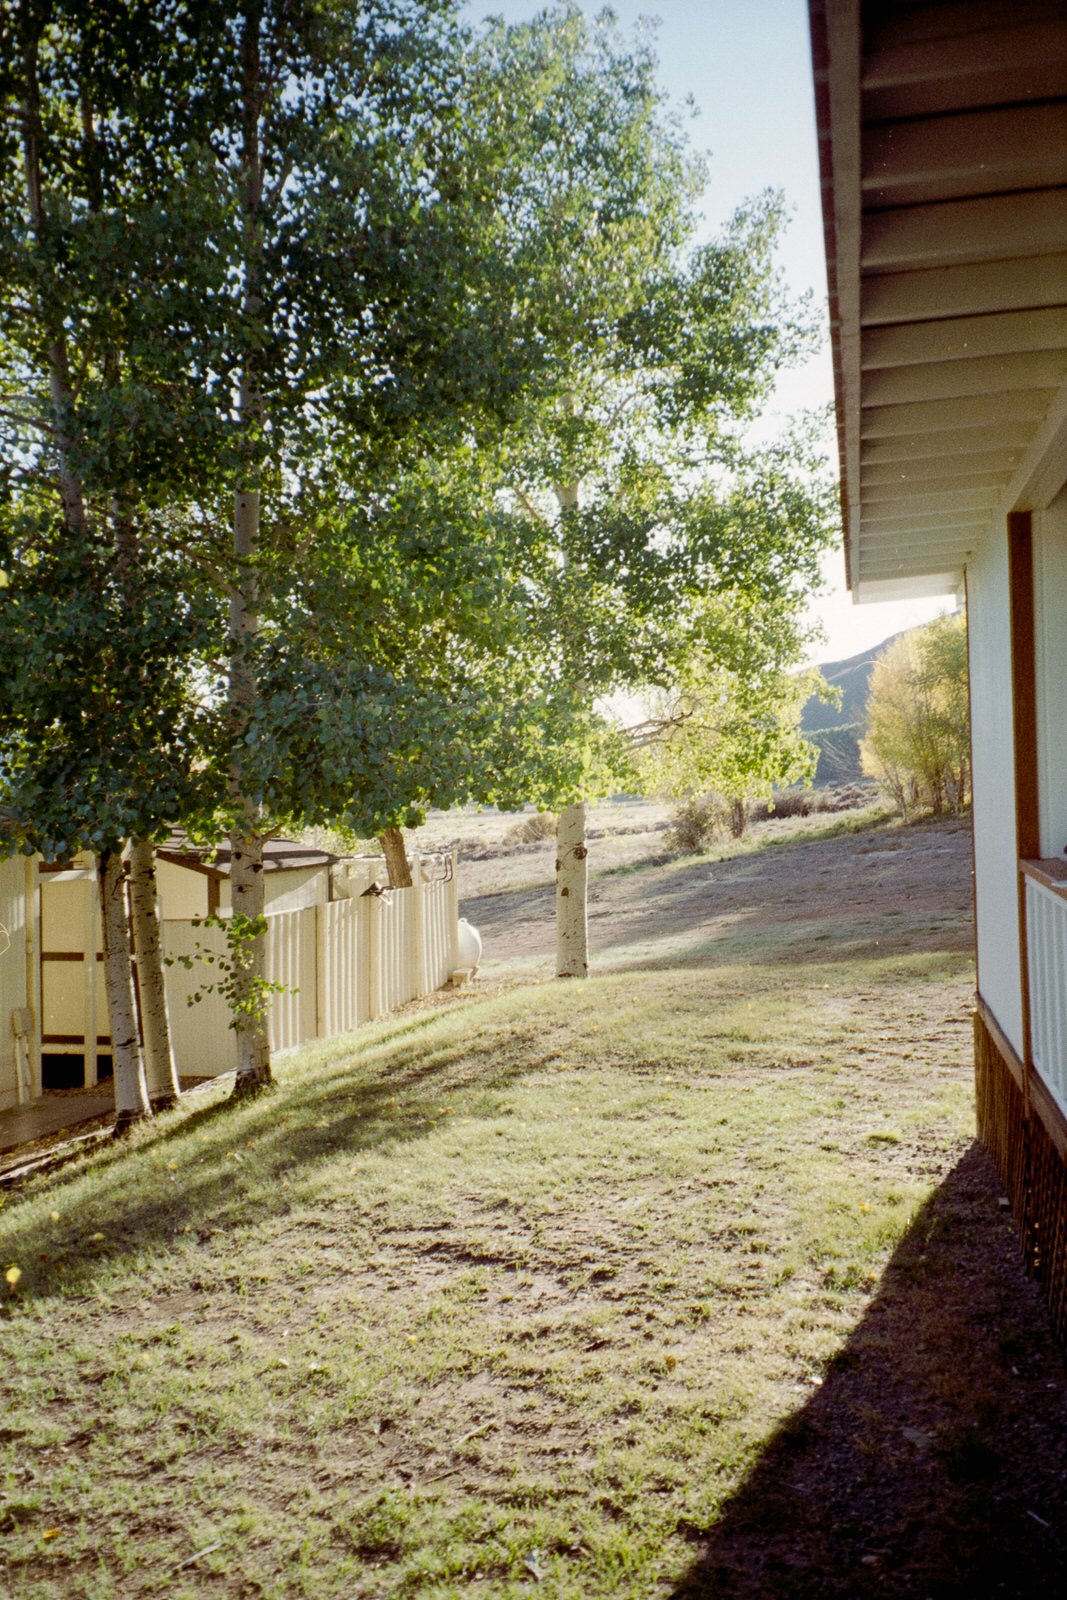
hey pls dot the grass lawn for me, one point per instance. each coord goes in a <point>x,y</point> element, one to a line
<point>516,1294</point>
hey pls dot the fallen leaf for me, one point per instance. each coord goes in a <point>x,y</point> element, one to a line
<point>12,1275</point>
<point>52,1533</point>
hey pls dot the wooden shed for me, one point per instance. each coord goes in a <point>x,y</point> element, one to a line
<point>339,956</point>
<point>193,883</point>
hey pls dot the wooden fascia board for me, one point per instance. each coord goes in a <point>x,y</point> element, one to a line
<point>835,36</point>
<point>909,585</point>
<point>1041,474</point>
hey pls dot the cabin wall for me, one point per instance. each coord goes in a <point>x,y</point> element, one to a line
<point>1050,638</point>
<point>183,892</point>
<point>996,870</point>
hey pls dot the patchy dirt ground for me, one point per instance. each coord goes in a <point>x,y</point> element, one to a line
<point>891,886</point>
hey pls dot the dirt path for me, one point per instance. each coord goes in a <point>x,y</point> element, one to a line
<point>888,886</point>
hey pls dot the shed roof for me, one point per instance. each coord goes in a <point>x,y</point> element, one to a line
<point>943,154</point>
<point>279,855</point>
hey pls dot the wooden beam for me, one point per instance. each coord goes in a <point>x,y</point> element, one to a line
<point>898,553</point>
<point>985,448</point>
<point>1003,333</point>
<point>891,498</point>
<point>898,25</point>
<point>1024,729</point>
<point>971,54</point>
<point>835,39</point>
<point>1040,475</point>
<point>949,573</point>
<point>966,411</point>
<point>897,543</point>
<point>997,66</point>
<point>952,380</point>
<point>991,229</point>
<point>983,152</point>
<point>933,475</point>
<point>1015,284</point>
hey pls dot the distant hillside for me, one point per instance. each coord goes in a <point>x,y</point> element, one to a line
<point>837,730</point>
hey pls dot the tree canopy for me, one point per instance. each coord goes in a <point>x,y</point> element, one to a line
<point>917,743</point>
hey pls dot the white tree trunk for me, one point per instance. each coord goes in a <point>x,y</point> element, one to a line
<point>160,1071</point>
<point>250,965</point>
<point>131,1089</point>
<point>572,930</point>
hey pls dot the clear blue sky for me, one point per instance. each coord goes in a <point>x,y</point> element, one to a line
<point>746,64</point>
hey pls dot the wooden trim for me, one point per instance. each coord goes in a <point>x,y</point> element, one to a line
<point>62,955</point>
<point>1041,1103</point>
<point>1001,1042</point>
<point>970,758</point>
<point>213,895</point>
<point>1049,1115</point>
<point>1023,682</point>
<point>1051,874</point>
<point>1024,734</point>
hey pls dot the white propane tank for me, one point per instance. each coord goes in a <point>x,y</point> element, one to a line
<point>468,945</point>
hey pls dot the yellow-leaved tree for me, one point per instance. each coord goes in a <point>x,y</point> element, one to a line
<point>917,744</point>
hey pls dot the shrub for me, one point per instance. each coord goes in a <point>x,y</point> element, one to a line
<point>790,803</point>
<point>532,829</point>
<point>696,822</point>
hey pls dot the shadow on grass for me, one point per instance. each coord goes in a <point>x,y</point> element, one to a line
<point>226,1165</point>
<point>931,1460</point>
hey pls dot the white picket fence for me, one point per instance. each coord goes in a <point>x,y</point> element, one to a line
<point>1046,939</point>
<point>338,964</point>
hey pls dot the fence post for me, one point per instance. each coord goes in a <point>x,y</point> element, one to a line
<point>374,944</point>
<point>418,954</point>
<point>33,970</point>
<point>322,969</point>
<point>453,906</point>
<point>91,1024</point>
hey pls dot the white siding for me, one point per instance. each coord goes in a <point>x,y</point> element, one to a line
<point>183,893</point>
<point>1050,596</point>
<point>996,869</point>
<point>1046,927</point>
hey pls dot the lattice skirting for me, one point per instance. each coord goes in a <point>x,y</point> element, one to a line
<point>1031,1167</point>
